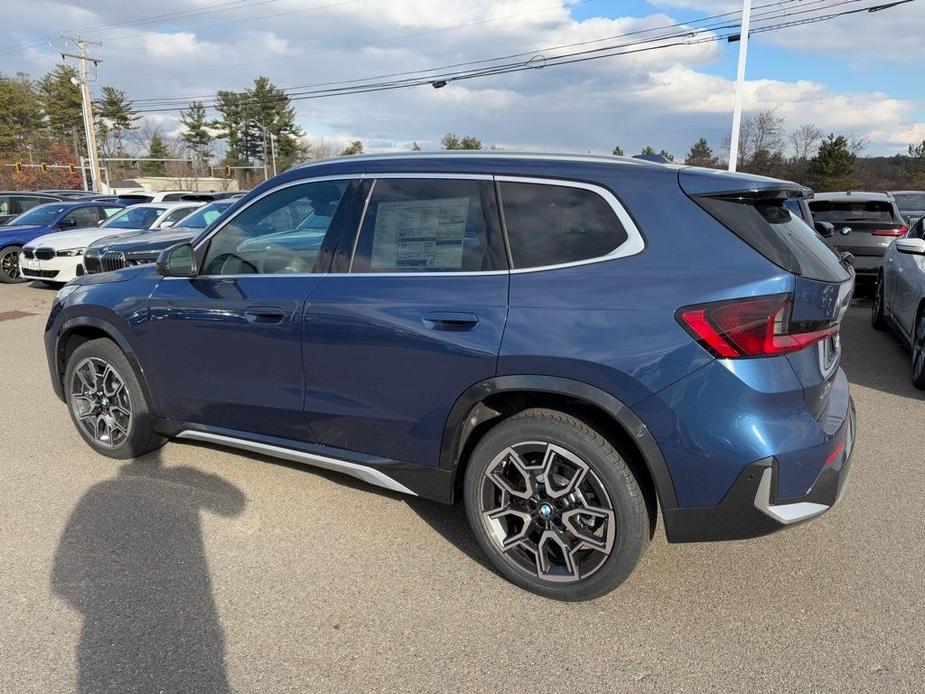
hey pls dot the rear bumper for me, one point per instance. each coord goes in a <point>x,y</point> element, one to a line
<point>751,507</point>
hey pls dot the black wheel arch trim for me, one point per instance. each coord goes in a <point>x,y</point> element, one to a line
<point>457,426</point>
<point>115,335</point>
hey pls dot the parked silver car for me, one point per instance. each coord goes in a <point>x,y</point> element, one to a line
<point>899,301</point>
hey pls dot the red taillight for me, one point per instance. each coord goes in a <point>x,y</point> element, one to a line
<point>901,231</point>
<point>753,327</point>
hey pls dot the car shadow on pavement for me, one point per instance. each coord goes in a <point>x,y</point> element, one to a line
<point>132,561</point>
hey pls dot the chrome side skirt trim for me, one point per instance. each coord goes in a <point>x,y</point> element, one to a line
<point>360,472</point>
<point>784,513</point>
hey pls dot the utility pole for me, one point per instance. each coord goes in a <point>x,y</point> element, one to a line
<point>83,81</point>
<point>740,84</point>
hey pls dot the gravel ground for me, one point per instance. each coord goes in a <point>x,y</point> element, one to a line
<point>197,569</point>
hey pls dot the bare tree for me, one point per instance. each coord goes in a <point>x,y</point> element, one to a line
<point>804,140</point>
<point>857,144</point>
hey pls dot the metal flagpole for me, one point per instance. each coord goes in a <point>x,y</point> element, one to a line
<point>740,80</point>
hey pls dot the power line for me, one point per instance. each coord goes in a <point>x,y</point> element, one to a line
<point>440,74</point>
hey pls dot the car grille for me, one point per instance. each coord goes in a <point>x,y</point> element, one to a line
<point>92,261</point>
<point>28,253</point>
<point>39,274</point>
<point>44,253</point>
<point>112,260</point>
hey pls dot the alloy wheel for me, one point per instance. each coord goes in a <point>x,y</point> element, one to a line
<point>100,402</point>
<point>547,511</point>
<point>9,264</point>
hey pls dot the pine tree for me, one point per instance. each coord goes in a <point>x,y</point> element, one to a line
<point>355,147</point>
<point>196,136</point>
<point>415,147</point>
<point>617,151</point>
<point>232,123</point>
<point>470,142</point>
<point>833,166</point>
<point>115,116</point>
<point>450,141</point>
<point>701,154</point>
<point>156,150</point>
<point>60,100</point>
<point>269,106</point>
<point>648,151</point>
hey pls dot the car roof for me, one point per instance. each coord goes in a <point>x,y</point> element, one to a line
<point>907,192</point>
<point>456,155</point>
<point>854,195</point>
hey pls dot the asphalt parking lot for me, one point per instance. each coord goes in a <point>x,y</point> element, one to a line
<point>198,569</point>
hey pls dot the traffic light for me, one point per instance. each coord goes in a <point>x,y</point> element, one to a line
<point>227,171</point>
<point>19,167</point>
<point>71,168</point>
<point>44,167</point>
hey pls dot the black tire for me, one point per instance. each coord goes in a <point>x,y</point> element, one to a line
<point>129,436</point>
<point>9,265</point>
<point>918,351</point>
<point>877,320</point>
<point>625,530</point>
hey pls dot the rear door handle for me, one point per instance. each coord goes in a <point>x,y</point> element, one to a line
<point>451,320</point>
<point>264,314</point>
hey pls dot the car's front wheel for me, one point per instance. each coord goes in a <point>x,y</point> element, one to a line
<point>106,402</point>
<point>9,265</point>
<point>918,352</point>
<point>555,507</point>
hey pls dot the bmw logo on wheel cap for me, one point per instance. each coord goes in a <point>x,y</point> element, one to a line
<point>545,510</point>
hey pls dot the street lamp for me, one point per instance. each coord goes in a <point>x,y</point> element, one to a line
<point>266,134</point>
<point>740,84</point>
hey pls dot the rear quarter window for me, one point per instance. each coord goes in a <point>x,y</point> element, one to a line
<point>551,224</point>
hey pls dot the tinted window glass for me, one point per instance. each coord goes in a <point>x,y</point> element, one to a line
<point>779,235</point>
<point>204,216</point>
<point>852,211</point>
<point>551,225</point>
<point>271,236</point>
<point>173,197</point>
<point>134,218</point>
<point>430,225</point>
<point>917,231</point>
<point>178,214</point>
<point>41,215</point>
<point>910,201</point>
<point>82,217</point>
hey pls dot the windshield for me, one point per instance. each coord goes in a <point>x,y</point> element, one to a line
<point>204,216</point>
<point>134,218</point>
<point>41,215</point>
<point>910,201</point>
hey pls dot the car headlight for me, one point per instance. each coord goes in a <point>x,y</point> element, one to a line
<point>65,292</point>
<point>70,252</point>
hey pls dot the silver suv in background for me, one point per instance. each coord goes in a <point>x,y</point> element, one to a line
<point>864,225</point>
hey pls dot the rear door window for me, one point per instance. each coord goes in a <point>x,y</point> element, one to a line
<point>852,211</point>
<point>430,225</point>
<point>554,224</point>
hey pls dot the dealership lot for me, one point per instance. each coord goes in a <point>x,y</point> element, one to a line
<point>201,569</point>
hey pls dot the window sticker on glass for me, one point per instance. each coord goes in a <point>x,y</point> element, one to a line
<point>423,234</point>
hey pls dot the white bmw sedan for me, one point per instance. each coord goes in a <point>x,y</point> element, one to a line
<point>900,299</point>
<point>58,258</point>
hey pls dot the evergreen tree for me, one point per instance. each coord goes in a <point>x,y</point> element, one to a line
<point>156,150</point>
<point>701,154</point>
<point>668,155</point>
<point>232,122</point>
<point>450,141</point>
<point>195,135</point>
<point>355,147</point>
<point>617,151</point>
<point>60,100</point>
<point>470,142</point>
<point>20,111</point>
<point>648,151</point>
<point>415,147</point>
<point>115,117</point>
<point>833,166</point>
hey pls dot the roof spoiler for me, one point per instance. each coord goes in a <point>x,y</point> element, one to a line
<point>717,183</point>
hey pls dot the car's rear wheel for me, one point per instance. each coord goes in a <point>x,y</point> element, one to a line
<point>106,402</point>
<point>9,265</point>
<point>555,507</point>
<point>918,352</point>
<point>877,321</point>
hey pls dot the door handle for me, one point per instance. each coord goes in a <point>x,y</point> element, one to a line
<point>264,314</point>
<point>450,320</point>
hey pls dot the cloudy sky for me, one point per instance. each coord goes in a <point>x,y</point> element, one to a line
<point>860,75</point>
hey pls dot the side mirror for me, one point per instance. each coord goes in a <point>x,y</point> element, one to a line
<point>164,225</point>
<point>100,223</point>
<point>825,229</point>
<point>912,246</point>
<point>177,261</point>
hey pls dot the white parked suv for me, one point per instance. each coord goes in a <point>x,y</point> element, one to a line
<point>63,251</point>
<point>900,299</point>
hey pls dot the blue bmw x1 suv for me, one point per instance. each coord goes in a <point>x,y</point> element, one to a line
<point>568,344</point>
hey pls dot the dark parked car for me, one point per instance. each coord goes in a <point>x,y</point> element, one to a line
<point>911,203</point>
<point>864,225</point>
<point>143,247</point>
<point>46,219</point>
<point>13,204</point>
<point>533,334</point>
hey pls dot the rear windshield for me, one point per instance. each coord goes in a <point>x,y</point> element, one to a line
<point>910,201</point>
<point>779,235</point>
<point>852,211</point>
